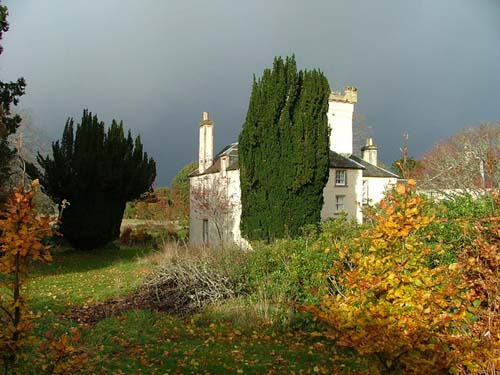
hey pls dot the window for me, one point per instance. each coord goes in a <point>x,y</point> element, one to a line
<point>205,231</point>
<point>339,203</point>
<point>340,178</point>
<point>365,192</point>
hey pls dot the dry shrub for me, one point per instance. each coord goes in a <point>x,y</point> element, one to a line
<point>138,236</point>
<point>188,279</point>
<point>125,235</point>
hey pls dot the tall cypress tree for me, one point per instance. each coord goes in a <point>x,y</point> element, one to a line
<point>97,172</point>
<point>283,151</point>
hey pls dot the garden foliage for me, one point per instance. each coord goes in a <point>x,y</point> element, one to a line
<point>405,315</point>
<point>453,226</point>
<point>180,184</point>
<point>480,263</point>
<point>9,95</point>
<point>296,270</point>
<point>389,304</point>
<point>22,242</point>
<point>97,172</point>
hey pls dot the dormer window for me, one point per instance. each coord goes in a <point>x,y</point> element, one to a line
<point>340,177</point>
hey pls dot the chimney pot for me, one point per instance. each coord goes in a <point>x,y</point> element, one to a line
<point>205,116</point>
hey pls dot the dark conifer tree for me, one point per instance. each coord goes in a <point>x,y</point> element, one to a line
<point>97,172</point>
<point>9,94</point>
<point>283,151</point>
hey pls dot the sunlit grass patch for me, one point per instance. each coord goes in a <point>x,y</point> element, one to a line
<point>158,341</point>
<point>77,278</point>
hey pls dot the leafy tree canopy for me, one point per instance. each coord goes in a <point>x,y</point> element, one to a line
<point>469,160</point>
<point>181,181</point>
<point>406,166</point>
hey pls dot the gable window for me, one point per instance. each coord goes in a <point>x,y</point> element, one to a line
<point>340,177</point>
<point>339,203</point>
<point>205,231</point>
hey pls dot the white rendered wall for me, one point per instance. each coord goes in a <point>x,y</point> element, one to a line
<point>227,220</point>
<point>353,193</point>
<point>377,186</point>
<point>340,122</point>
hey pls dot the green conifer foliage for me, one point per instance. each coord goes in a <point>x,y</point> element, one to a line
<point>97,172</point>
<point>283,151</point>
<point>9,94</point>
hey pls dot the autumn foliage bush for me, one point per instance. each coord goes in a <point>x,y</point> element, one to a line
<point>22,235</point>
<point>389,304</point>
<point>406,316</point>
<point>22,232</point>
<point>480,263</point>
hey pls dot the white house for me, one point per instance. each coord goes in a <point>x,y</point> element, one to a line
<point>215,195</point>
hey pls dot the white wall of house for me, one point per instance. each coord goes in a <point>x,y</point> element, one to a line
<point>215,199</point>
<point>374,188</point>
<point>352,194</point>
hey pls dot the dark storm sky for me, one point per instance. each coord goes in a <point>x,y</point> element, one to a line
<point>425,67</point>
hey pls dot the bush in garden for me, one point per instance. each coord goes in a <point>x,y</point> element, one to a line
<point>453,227</point>
<point>389,304</point>
<point>480,262</point>
<point>22,234</point>
<point>296,270</point>
<point>125,235</point>
<point>189,279</point>
<point>137,237</point>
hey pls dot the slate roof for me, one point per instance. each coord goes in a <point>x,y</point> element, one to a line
<point>343,161</point>
<point>371,170</point>
<point>335,161</point>
<point>231,151</point>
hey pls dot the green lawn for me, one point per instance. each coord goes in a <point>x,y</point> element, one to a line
<point>146,342</point>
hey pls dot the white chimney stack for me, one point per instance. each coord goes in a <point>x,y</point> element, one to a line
<point>340,113</point>
<point>224,162</point>
<point>369,152</point>
<point>206,155</point>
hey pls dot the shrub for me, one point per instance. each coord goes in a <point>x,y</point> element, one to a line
<point>480,262</point>
<point>453,226</point>
<point>296,270</point>
<point>187,280</point>
<point>22,235</point>
<point>21,242</point>
<point>392,306</point>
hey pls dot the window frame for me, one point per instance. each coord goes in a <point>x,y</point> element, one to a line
<point>205,231</point>
<point>340,203</point>
<point>340,172</point>
<point>366,192</point>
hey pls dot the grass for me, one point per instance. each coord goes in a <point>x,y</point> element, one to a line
<point>78,277</point>
<point>158,343</point>
<point>146,342</point>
